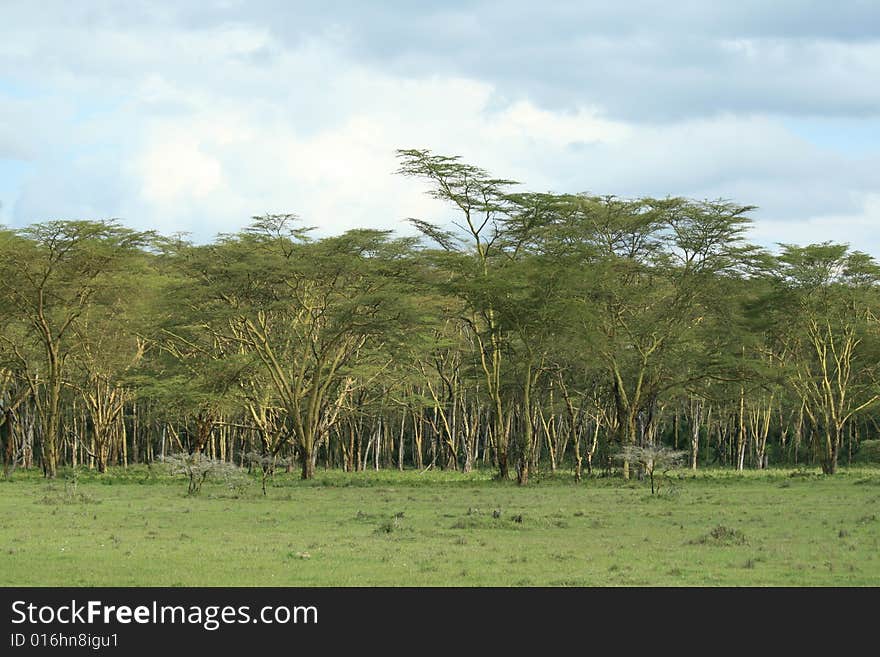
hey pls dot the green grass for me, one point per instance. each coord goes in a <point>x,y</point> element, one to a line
<point>781,527</point>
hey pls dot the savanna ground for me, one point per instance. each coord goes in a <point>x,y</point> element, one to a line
<point>139,528</point>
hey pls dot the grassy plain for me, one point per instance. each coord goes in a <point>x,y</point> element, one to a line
<point>138,528</point>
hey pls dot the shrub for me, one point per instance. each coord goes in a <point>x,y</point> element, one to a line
<point>722,535</point>
<point>652,458</point>
<point>868,452</point>
<point>267,464</point>
<point>198,467</point>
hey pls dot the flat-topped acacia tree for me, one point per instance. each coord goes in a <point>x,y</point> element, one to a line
<point>483,204</point>
<point>301,312</point>
<point>822,314</point>
<point>51,274</point>
<point>648,272</point>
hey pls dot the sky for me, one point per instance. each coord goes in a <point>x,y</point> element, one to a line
<point>194,116</point>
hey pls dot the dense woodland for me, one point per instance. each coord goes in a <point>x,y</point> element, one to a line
<point>535,332</point>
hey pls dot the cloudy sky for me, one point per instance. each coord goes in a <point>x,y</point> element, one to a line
<point>194,116</point>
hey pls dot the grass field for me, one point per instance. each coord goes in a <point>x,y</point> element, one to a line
<point>780,527</point>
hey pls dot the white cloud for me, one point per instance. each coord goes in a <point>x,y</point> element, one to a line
<point>172,170</point>
<point>861,229</point>
<point>341,175</point>
<point>178,127</point>
<point>522,121</point>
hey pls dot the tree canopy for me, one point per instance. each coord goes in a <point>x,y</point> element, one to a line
<point>536,331</point>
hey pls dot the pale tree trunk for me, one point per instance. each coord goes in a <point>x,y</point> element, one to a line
<point>831,451</point>
<point>696,422</point>
<point>573,428</point>
<point>51,426</point>
<point>741,435</point>
<point>492,372</point>
<point>306,455</point>
<point>400,441</point>
<point>594,443</point>
<point>526,446</point>
<point>470,425</point>
<point>418,440</point>
<point>627,410</point>
<point>759,419</point>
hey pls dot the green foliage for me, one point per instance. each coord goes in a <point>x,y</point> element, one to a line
<point>551,331</point>
<point>868,452</point>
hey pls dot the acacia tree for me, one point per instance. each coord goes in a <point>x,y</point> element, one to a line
<point>303,312</point>
<point>656,267</point>
<point>111,342</point>
<point>484,204</point>
<point>189,377</point>
<point>51,273</point>
<point>102,365</point>
<point>529,295</point>
<point>822,314</point>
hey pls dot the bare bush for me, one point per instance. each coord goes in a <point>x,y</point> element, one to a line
<point>653,458</point>
<point>267,464</point>
<point>198,467</point>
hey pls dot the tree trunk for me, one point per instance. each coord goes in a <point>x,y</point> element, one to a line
<point>400,441</point>
<point>501,450</point>
<point>741,433</point>
<point>525,450</point>
<point>308,464</point>
<point>52,427</point>
<point>628,432</point>
<point>7,434</point>
<point>503,470</point>
<point>418,447</point>
<point>832,451</point>
<point>696,421</point>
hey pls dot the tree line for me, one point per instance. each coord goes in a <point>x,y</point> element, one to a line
<point>536,330</point>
